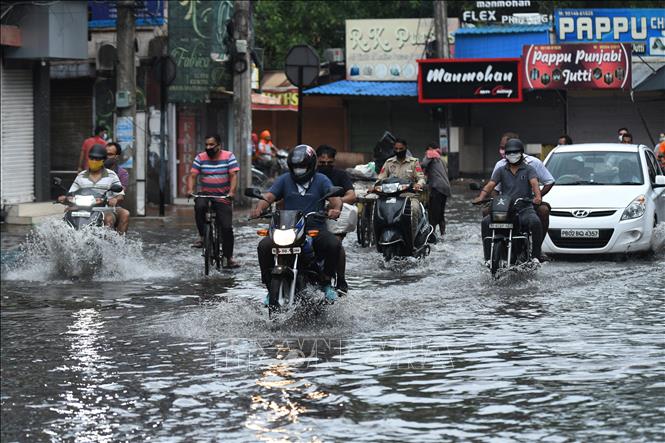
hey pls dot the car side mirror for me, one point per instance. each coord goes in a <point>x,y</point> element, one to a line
<point>254,193</point>
<point>660,181</point>
<point>474,186</point>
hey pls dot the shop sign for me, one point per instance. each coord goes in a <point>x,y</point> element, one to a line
<point>644,28</point>
<point>469,80</point>
<point>387,50</point>
<point>124,135</point>
<point>288,100</point>
<point>193,42</point>
<point>581,66</point>
<point>104,13</point>
<point>186,145</point>
<point>508,12</point>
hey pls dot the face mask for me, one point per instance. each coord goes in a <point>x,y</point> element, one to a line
<point>299,171</point>
<point>109,163</point>
<point>211,152</point>
<point>513,158</point>
<point>326,170</point>
<point>95,165</point>
<point>400,154</point>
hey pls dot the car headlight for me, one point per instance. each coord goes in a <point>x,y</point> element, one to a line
<point>635,209</point>
<point>284,237</point>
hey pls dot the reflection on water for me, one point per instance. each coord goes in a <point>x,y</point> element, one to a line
<point>431,350</point>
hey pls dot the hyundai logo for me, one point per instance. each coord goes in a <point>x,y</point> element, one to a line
<point>580,213</point>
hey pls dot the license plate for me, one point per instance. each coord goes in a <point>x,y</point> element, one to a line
<point>501,226</point>
<point>80,214</point>
<point>579,233</point>
<point>285,251</point>
<point>391,200</point>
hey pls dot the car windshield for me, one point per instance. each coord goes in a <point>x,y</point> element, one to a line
<point>596,168</point>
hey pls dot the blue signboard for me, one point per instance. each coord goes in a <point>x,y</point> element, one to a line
<point>105,12</point>
<point>644,28</point>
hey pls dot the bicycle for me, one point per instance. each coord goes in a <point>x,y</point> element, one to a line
<point>211,237</point>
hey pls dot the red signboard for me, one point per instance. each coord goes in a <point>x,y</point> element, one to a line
<point>492,80</point>
<point>186,149</point>
<point>577,66</point>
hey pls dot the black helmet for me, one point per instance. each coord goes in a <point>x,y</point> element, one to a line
<point>97,152</point>
<point>302,163</point>
<point>514,145</point>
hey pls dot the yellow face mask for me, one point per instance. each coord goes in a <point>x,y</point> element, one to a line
<point>95,165</point>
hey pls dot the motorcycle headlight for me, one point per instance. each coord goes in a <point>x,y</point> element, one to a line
<point>635,209</point>
<point>389,188</point>
<point>84,200</point>
<point>284,237</point>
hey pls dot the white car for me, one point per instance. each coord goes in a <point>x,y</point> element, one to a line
<point>607,199</point>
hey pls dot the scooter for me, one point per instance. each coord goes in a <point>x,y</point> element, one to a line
<point>295,262</point>
<point>393,230</point>
<point>85,209</point>
<point>511,243</point>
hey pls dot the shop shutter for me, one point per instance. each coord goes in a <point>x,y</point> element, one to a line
<point>17,149</point>
<point>368,120</point>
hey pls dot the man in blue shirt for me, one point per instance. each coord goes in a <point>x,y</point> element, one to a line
<point>302,188</point>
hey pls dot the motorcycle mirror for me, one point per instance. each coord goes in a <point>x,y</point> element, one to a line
<point>254,193</point>
<point>335,191</point>
<point>474,186</point>
<point>116,188</point>
<point>57,181</point>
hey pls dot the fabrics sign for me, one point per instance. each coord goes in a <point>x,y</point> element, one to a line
<point>387,50</point>
<point>104,13</point>
<point>581,66</point>
<point>644,28</point>
<point>469,80</point>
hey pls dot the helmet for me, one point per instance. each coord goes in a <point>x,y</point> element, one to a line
<point>97,152</point>
<point>302,163</point>
<point>514,145</point>
<point>265,135</point>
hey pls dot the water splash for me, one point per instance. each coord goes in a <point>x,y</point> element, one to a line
<point>55,251</point>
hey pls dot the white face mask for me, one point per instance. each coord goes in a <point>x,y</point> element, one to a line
<point>513,158</point>
<point>299,171</point>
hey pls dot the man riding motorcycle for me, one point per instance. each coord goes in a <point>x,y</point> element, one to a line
<point>301,189</point>
<point>100,180</point>
<point>519,180</point>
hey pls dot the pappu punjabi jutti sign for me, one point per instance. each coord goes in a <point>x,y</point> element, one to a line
<point>469,80</point>
<point>577,66</point>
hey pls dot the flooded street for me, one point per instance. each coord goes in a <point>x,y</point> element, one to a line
<point>149,348</point>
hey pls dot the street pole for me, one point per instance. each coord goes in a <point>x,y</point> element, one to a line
<point>162,134</point>
<point>300,73</point>
<point>242,97</point>
<point>126,81</point>
<point>443,51</point>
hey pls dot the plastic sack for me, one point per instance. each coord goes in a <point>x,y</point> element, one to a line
<point>346,222</point>
<point>366,170</point>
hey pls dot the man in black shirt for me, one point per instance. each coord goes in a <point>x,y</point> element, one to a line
<point>338,177</point>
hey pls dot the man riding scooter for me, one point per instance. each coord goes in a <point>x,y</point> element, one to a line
<point>302,188</point>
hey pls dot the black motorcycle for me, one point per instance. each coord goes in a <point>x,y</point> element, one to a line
<point>393,230</point>
<point>510,243</point>
<point>295,263</point>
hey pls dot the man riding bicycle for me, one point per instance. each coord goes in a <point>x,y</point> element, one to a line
<point>217,172</point>
<point>302,188</point>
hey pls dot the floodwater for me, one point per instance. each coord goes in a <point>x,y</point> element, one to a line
<point>146,347</point>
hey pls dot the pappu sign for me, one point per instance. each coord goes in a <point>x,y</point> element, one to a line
<point>577,66</point>
<point>494,80</point>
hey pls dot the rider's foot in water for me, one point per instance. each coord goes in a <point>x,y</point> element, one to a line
<point>543,258</point>
<point>342,288</point>
<point>198,243</point>
<point>266,301</point>
<point>535,261</point>
<point>330,293</point>
<point>231,264</point>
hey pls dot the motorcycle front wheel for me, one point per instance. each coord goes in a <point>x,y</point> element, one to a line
<point>498,253</point>
<point>277,289</point>
<point>390,251</point>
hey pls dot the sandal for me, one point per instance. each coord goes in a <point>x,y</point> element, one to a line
<point>197,244</point>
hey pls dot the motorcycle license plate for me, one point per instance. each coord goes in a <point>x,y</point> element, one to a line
<point>391,200</point>
<point>501,226</point>
<point>285,251</point>
<point>80,214</point>
<point>580,233</point>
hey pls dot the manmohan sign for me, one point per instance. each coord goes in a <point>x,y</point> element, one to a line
<point>582,66</point>
<point>469,80</point>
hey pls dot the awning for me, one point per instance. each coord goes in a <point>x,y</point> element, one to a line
<point>498,41</point>
<point>649,77</point>
<point>376,89</point>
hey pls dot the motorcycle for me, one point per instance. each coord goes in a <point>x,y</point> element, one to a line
<point>510,242</point>
<point>295,262</point>
<point>282,165</point>
<point>85,209</point>
<point>395,235</point>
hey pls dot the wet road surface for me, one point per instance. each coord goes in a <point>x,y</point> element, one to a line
<point>149,348</point>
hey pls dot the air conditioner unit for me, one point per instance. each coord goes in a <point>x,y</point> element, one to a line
<point>334,55</point>
<point>107,55</point>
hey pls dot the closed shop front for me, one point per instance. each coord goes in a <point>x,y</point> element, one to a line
<point>17,136</point>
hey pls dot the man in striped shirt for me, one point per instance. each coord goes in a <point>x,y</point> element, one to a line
<point>217,173</point>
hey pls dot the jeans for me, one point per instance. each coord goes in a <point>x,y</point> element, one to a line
<point>224,217</point>
<point>528,219</point>
<point>326,246</point>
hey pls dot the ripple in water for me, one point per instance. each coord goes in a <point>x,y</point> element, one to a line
<point>55,251</point>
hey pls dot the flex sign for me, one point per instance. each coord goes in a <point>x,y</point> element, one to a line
<point>644,28</point>
<point>505,12</point>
